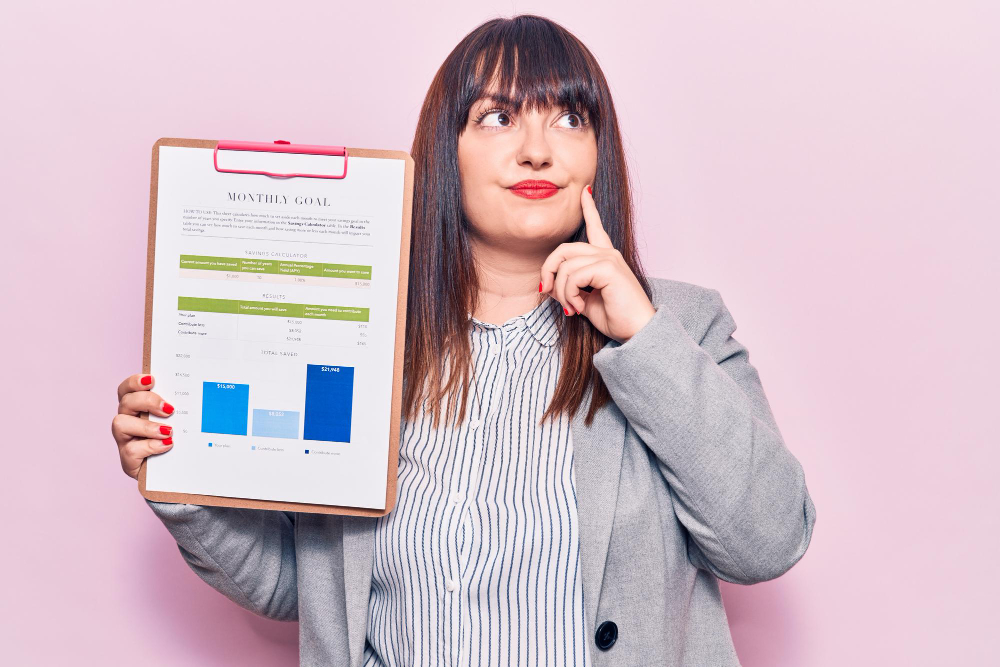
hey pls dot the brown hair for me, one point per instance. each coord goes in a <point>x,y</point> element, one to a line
<point>543,65</point>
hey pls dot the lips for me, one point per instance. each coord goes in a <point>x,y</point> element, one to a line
<point>534,189</point>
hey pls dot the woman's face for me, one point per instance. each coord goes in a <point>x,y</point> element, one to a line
<point>503,150</point>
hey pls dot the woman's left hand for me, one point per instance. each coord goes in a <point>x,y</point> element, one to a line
<point>617,306</point>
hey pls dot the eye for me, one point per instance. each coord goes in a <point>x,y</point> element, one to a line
<point>494,118</point>
<point>575,121</point>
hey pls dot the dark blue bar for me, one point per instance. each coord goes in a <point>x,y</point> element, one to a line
<point>329,403</point>
<point>224,407</point>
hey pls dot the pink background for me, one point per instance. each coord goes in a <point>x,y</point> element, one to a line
<point>830,167</point>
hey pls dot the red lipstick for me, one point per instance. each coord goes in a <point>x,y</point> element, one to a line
<point>532,189</point>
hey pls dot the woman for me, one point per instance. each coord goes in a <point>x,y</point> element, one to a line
<point>579,464</point>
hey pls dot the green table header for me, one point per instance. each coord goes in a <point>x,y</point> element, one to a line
<point>239,265</point>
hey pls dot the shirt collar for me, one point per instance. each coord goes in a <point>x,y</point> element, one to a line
<point>541,321</point>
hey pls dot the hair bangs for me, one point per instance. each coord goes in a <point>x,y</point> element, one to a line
<point>528,65</point>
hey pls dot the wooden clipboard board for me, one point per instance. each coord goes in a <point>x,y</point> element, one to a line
<point>400,341</point>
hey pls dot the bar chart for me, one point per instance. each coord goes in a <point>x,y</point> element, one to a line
<point>326,416</point>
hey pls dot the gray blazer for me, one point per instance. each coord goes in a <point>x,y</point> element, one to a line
<point>683,480</point>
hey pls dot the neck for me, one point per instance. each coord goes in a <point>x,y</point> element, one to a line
<point>508,280</point>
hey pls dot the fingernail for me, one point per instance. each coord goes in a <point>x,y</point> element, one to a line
<point>590,191</point>
<point>146,379</point>
<point>539,286</point>
<point>166,407</point>
<point>165,430</point>
<point>566,310</point>
<point>167,441</point>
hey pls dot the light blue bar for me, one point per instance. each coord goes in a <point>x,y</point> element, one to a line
<point>276,423</point>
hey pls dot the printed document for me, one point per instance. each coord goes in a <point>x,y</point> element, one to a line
<point>273,329</point>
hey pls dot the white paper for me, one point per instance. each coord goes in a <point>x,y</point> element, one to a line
<point>283,380</point>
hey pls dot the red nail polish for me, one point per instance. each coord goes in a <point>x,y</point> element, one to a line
<point>146,379</point>
<point>539,287</point>
<point>167,408</point>
<point>590,191</point>
<point>167,441</point>
<point>165,430</point>
<point>565,310</point>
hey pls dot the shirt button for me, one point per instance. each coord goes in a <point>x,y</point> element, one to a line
<point>456,497</point>
<point>474,424</point>
<point>451,585</point>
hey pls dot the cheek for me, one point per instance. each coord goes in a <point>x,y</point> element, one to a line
<point>480,179</point>
<point>478,202</point>
<point>473,181</point>
<point>583,161</point>
<point>473,171</point>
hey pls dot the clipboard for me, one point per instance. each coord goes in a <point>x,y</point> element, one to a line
<point>282,146</point>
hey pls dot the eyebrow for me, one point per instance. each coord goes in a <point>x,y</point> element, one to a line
<point>489,99</point>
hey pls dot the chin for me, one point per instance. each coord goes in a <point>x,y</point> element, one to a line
<point>539,230</point>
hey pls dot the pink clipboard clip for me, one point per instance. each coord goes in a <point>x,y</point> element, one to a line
<point>279,146</point>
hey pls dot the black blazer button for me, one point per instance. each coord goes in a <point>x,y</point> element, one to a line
<point>607,635</point>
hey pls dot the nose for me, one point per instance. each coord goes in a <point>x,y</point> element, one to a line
<point>534,150</point>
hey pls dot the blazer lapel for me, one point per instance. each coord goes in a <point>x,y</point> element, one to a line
<point>597,463</point>
<point>359,559</point>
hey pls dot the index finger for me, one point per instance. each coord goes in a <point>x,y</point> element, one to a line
<point>595,228</point>
<point>137,382</point>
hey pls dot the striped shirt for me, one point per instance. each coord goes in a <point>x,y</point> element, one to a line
<point>478,563</point>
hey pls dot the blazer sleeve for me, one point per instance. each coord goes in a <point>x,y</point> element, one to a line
<point>701,409</point>
<point>247,555</point>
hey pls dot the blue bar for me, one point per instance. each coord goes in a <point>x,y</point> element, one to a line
<point>275,423</point>
<point>224,408</point>
<point>329,402</point>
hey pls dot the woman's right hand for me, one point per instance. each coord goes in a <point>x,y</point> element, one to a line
<point>137,438</point>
